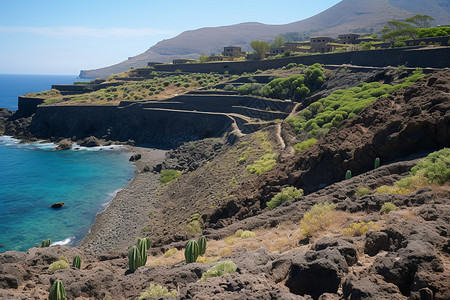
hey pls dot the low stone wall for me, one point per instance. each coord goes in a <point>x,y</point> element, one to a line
<point>417,57</point>
<point>27,106</point>
<point>145,126</point>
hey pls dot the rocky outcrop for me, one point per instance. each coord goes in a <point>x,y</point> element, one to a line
<point>64,144</point>
<point>90,141</point>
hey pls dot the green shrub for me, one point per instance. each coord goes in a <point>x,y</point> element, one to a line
<point>222,268</point>
<point>435,167</point>
<point>360,228</point>
<point>388,207</point>
<point>247,234</point>
<point>363,191</point>
<point>250,89</point>
<point>229,87</point>
<point>156,291</point>
<point>169,175</point>
<point>286,194</point>
<point>263,165</point>
<point>399,44</point>
<point>316,218</point>
<point>238,233</point>
<point>58,265</point>
<point>304,145</point>
<point>344,104</point>
<point>170,252</point>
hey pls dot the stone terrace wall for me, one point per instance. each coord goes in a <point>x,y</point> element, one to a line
<point>155,127</point>
<point>411,57</point>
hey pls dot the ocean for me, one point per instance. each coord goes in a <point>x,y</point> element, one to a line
<point>32,178</point>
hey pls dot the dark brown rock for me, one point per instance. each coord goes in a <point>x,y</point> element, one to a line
<point>57,205</point>
<point>64,144</point>
<point>90,142</point>
<point>135,157</point>
<point>375,242</point>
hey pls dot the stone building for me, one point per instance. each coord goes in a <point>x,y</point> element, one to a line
<point>349,38</point>
<point>232,51</point>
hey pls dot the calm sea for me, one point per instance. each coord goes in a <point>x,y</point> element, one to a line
<point>32,177</point>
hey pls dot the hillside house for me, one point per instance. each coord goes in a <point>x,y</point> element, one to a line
<point>349,38</point>
<point>232,51</point>
<point>322,44</point>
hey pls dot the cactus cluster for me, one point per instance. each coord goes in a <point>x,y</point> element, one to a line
<point>194,249</point>
<point>57,291</point>
<point>137,256</point>
<point>76,262</point>
<point>201,245</point>
<point>191,251</point>
<point>46,243</point>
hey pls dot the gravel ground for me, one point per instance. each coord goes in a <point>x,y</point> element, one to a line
<point>120,224</point>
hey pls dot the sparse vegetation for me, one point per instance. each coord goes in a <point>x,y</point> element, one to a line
<point>247,234</point>
<point>286,194</point>
<point>360,228</point>
<point>388,207</point>
<point>222,268</point>
<point>363,191</point>
<point>434,169</point>
<point>59,265</point>
<point>156,291</point>
<point>263,165</point>
<point>169,175</point>
<point>316,218</point>
<point>304,145</point>
<point>170,252</point>
<point>330,111</point>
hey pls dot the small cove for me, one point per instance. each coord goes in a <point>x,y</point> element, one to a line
<point>32,177</point>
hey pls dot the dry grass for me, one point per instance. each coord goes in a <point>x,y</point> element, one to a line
<point>282,238</point>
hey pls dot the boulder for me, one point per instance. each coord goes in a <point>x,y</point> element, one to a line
<point>57,205</point>
<point>316,273</point>
<point>91,141</point>
<point>345,246</point>
<point>375,242</point>
<point>370,287</point>
<point>401,268</point>
<point>64,144</point>
<point>135,157</point>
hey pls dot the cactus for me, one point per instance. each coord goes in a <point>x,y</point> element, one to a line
<point>142,248</point>
<point>201,245</point>
<point>191,251</point>
<point>377,163</point>
<point>348,174</point>
<point>57,291</point>
<point>134,259</point>
<point>147,240</point>
<point>76,262</point>
<point>46,243</point>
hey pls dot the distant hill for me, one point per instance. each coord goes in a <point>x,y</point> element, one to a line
<point>346,16</point>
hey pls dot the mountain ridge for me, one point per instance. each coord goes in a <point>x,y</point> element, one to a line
<point>346,16</point>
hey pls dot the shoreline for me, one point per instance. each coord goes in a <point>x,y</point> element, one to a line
<point>120,223</point>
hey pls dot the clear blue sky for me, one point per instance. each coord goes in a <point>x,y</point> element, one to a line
<point>63,37</point>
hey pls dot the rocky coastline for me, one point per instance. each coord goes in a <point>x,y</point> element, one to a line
<point>403,254</point>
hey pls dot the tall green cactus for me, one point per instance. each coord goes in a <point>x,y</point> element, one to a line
<point>377,163</point>
<point>191,251</point>
<point>134,259</point>
<point>348,174</point>
<point>77,262</point>
<point>46,243</point>
<point>142,248</point>
<point>201,245</point>
<point>57,291</point>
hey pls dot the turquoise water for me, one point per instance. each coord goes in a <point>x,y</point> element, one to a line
<point>32,177</point>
